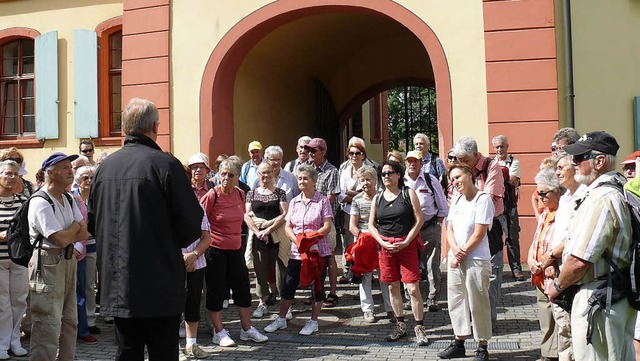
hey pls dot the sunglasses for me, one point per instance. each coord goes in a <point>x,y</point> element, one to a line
<point>351,154</point>
<point>15,159</point>
<point>544,194</point>
<point>85,178</point>
<point>452,157</point>
<point>87,150</point>
<point>387,174</point>
<point>228,175</point>
<point>577,159</point>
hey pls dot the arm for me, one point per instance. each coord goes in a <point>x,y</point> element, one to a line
<point>534,266</point>
<point>184,211</point>
<point>83,233</point>
<point>353,226</point>
<point>326,226</point>
<point>288,229</point>
<point>249,220</point>
<point>202,246</point>
<point>453,244</point>
<point>534,205</point>
<point>479,231</point>
<point>417,213</point>
<point>65,237</point>
<point>573,270</point>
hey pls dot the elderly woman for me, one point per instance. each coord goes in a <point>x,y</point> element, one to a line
<point>543,273</point>
<point>24,186</point>
<point>349,188</point>
<point>358,225</point>
<point>469,266</point>
<point>83,178</point>
<point>266,207</point>
<point>395,221</point>
<point>224,207</point>
<point>14,280</point>
<point>309,212</point>
<point>198,170</point>
<point>396,156</point>
<point>282,179</point>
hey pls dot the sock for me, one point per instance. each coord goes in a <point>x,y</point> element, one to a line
<point>190,341</point>
<point>420,323</point>
<point>459,343</point>
<point>400,319</point>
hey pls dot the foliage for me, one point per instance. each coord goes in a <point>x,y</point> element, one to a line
<point>422,116</point>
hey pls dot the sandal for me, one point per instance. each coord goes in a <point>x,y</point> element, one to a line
<point>331,301</point>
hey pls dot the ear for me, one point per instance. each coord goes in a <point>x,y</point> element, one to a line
<point>156,126</point>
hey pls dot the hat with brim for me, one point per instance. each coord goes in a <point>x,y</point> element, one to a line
<point>631,158</point>
<point>317,143</point>
<point>56,158</point>
<point>199,158</point>
<point>415,154</point>
<point>599,141</point>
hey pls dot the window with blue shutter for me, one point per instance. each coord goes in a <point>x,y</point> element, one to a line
<point>17,103</point>
<point>85,83</point>
<point>46,71</point>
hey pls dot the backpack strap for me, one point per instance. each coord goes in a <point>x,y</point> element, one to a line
<point>427,178</point>
<point>434,158</point>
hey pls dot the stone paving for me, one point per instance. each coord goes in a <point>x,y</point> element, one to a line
<point>344,334</point>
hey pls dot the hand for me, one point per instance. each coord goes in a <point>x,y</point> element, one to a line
<point>3,236</point>
<point>391,248</point>
<point>551,271</point>
<point>551,292</point>
<point>189,259</point>
<point>454,263</point>
<point>460,254</point>
<point>535,268</point>
<point>77,253</point>
<point>402,245</point>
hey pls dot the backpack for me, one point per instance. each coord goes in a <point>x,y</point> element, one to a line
<point>18,240</point>
<point>629,276</point>
<point>444,179</point>
<point>510,196</point>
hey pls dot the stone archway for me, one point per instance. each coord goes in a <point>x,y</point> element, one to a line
<point>216,91</point>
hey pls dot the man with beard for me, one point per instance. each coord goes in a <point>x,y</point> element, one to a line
<point>603,229</point>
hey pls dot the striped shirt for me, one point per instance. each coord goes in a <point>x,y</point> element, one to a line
<point>361,207</point>
<point>200,262</point>
<point>601,223</point>
<point>7,209</point>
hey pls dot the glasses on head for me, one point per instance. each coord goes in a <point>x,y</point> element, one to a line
<point>227,175</point>
<point>577,159</point>
<point>87,150</point>
<point>387,174</point>
<point>85,178</point>
<point>544,194</point>
<point>355,154</point>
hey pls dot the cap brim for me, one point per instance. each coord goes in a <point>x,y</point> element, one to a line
<point>72,157</point>
<point>575,149</point>
<point>628,162</point>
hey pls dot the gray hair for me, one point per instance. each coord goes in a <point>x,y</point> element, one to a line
<point>356,140</point>
<point>82,171</point>
<point>567,134</point>
<point>304,140</point>
<point>273,150</point>
<point>230,165</point>
<point>547,178</point>
<point>367,171</point>
<point>424,137</point>
<point>311,171</point>
<point>139,117</point>
<point>610,161</point>
<point>47,177</point>
<point>500,138</point>
<point>81,159</point>
<point>9,163</point>
<point>465,147</point>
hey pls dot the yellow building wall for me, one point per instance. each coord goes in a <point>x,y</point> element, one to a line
<point>606,55</point>
<point>458,25</point>
<point>65,16</point>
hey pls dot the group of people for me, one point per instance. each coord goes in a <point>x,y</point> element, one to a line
<point>213,223</point>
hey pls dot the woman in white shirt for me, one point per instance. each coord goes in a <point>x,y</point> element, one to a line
<point>469,265</point>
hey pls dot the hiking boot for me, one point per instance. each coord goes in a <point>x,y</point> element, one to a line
<point>421,335</point>
<point>195,351</point>
<point>399,331</point>
<point>454,350</point>
<point>432,305</point>
<point>481,354</point>
<point>253,335</point>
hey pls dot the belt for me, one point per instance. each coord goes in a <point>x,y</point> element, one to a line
<point>429,223</point>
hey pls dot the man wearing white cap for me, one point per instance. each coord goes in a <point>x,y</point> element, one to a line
<point>199,166</point>
<point>249,172</point>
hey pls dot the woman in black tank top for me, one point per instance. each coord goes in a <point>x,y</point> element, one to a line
<point>395,221</point>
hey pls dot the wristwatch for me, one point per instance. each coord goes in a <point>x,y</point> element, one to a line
<point>196,253</point>
<point>557,286</point>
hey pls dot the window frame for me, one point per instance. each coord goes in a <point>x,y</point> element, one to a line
<point>104,32</point>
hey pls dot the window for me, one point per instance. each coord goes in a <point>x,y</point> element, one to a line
<point>17,100</point>
<point>110,85</point>
<point>115,83</point>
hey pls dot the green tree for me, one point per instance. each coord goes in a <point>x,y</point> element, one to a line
<point>412,110</point>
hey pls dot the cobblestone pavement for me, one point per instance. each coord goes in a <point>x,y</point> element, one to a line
<point>344,334</point>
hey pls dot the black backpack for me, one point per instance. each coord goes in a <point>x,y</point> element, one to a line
<point>443,178</point>
<point>18,240</point>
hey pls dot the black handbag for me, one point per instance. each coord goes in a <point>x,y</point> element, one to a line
<point>565,299</point>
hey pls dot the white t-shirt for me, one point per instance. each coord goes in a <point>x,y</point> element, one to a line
<point>43,220</point>
<point>464,216</point>
<point>564,214</point>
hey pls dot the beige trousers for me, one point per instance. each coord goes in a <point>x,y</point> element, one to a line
<point>548,328</point>
<point>468,295</point>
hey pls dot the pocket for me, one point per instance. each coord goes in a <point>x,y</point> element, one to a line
<point>43,280</point>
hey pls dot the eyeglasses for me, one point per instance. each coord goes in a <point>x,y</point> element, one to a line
<point>544,194</point>
<point>227,175</point>
<point>197,167</point>
<point>356,154</point>
<point>87,150</point>
<point>387,174</point>
<point>452,157</point>
<point>577,159</point>
<point>311,150</point>
<point>86,178</point>
<point>274,160</point>
<point>15,159</point>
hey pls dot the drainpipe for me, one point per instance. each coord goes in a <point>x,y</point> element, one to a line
<point>568,63</point>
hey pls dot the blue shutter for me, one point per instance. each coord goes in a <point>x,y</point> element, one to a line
<point>85,83</point>
<point>46,49</point>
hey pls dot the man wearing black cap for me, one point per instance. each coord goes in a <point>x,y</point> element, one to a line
<point>603,228</point>
<point>52,289</point>
<point>143,211</point>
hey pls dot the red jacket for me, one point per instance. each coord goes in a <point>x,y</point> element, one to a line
<point>364,254</point>
<point>312,263</point>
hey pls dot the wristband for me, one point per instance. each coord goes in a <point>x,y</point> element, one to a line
<point>557,286</point>
<point>196,253</point>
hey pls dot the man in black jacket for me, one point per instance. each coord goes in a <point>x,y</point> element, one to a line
<point>142,211</point>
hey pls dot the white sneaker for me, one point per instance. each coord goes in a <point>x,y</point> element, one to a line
<point>278,324</point>
<point>310,327</point>
<point>19,351</point>
<point>225,304</point>
<point>253,335</point>
<point>260,311</point>
<point>289,315</point>
<point>183,331</point>
<point>4,355</point>
<point>222,338</point>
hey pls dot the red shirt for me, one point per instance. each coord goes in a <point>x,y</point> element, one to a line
<point>225,215</point>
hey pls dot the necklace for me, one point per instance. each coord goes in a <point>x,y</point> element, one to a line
<point>9,205</point>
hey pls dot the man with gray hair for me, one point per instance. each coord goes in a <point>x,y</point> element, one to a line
<point>562,138</point>
<point>501,148</point>
<point>600,237</point>
<point>489,180</point>
<point>431,163</point>
<point>142,211</point>
<point>52,268</point>
<point>303,155</point>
